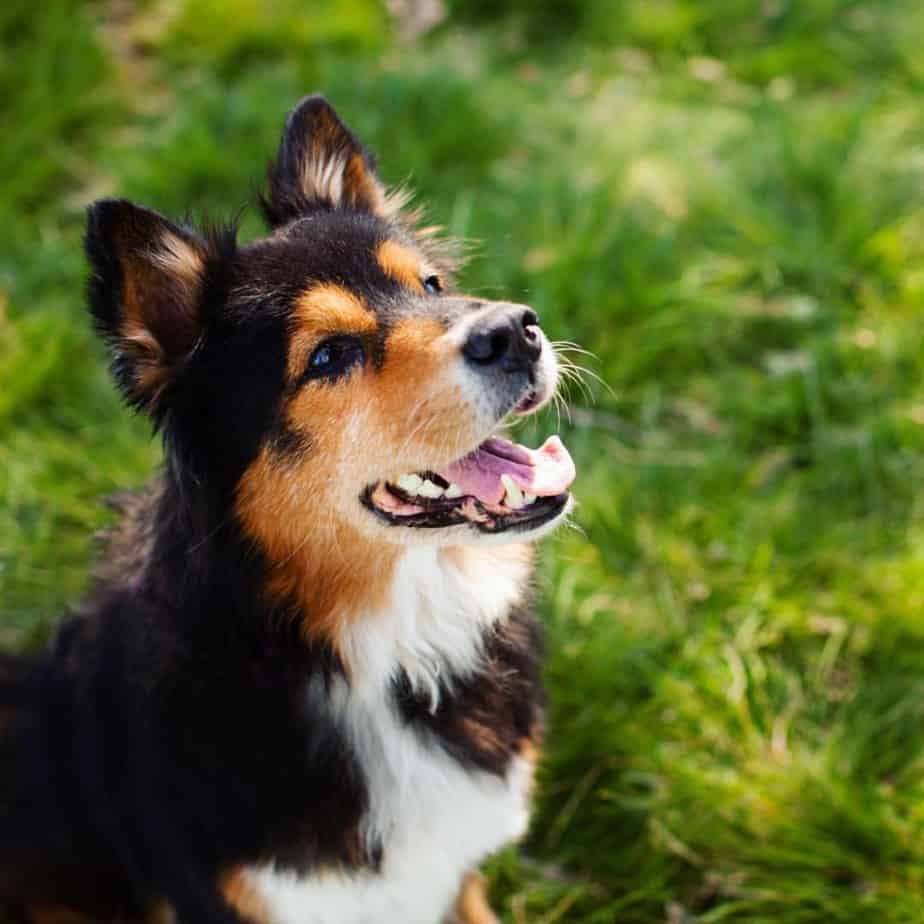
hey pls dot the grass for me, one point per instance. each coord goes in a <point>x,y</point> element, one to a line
<point>725,203</point>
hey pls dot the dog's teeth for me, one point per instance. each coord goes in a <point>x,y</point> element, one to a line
<point>529,498</point>
<point>410,484</point>
<point>429,489</point>
<point>453,491</point>
<point>514,494</point>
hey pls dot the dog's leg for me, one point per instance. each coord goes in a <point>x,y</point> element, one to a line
<point>472,906</point>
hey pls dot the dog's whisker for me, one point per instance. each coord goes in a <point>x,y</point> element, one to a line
<point>573,376</point>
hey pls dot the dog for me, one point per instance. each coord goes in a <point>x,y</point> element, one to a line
<point>305,687</point>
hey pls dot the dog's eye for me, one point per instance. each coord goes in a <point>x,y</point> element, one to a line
<point>334,357</point>
<point>433,285</point>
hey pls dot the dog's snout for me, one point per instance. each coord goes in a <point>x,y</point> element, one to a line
<point>507,337</point>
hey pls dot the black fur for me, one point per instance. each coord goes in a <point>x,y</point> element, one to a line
<point>482,721</point>
<point>311,126</point>
<point>179,725</point>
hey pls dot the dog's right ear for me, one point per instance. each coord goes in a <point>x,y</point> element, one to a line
<point>146,289</point>
<point>321,165</point>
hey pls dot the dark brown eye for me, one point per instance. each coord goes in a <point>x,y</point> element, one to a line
<point>432,285</point>
<point>334,357</point>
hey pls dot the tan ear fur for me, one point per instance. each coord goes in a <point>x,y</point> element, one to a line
<point>146,290</point>
<point>321,165</point>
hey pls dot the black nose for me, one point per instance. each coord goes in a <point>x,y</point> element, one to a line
<point>507,337</point>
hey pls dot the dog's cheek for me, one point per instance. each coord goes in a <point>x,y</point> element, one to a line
<point>421,402</point>
<point>341,417</point>
<point>300,512</point>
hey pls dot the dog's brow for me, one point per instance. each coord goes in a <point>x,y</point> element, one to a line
<point>401,264</point>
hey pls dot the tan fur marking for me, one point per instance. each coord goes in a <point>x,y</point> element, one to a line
<point>362,188</point>
<point>411,386</point>
<point>323,310</point>
<point>478,730</point>
<point>158,285</point>
<point>401,263</point>
<point>472,904</point>
<point>319,562</point>
<point>152,372</point>
<point>161,913</point>
<point>326,172</point>
<point>178,258</point>
<point>530,750</point>
<point>322,170</point>
<point>132,298</point>
<point>244,898</point>
<point>302,509</point>
<point>175,263</point>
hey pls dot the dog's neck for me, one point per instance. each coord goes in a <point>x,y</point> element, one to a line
<point>380,606</point>
<point>439,606</point>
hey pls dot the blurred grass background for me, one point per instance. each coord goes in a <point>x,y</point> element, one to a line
<point>725,203</point>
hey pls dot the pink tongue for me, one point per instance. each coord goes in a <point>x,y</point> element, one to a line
<point>545,472</point>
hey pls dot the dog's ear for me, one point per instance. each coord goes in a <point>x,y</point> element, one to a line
<point>320,165</point>
<point>146,290</point>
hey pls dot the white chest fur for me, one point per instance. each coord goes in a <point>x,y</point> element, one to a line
<point>434,819</point>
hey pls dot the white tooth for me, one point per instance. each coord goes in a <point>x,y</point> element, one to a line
<point>453,491</point>
<point>529,498</point>
<point>514,494</point>
<point>429,489</point>
<point>409,483</point>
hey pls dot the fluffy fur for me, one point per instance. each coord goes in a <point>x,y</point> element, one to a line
<point>275,706</point>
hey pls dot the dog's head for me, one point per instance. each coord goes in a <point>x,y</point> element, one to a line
<point>329,376</point>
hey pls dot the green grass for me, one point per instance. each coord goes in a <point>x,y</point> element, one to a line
<point>725,203</point>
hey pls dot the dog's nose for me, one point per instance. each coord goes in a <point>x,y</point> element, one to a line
<point>507,337</point>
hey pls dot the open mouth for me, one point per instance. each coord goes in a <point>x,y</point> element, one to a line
<point>499,486</point>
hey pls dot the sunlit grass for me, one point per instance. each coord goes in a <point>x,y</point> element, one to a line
<point>723,202</point>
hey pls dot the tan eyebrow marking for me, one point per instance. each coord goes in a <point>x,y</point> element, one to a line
<point>401,263</point>
<point>325,308</point>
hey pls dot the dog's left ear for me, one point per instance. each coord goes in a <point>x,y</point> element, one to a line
<point>320,165</point>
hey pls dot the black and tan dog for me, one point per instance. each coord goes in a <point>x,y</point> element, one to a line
<point>306,687</point>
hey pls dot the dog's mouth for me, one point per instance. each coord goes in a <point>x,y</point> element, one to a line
<point>499,486</point>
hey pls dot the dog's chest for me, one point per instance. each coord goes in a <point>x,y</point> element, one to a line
<point>437,803</point>
<point>431,818</point>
